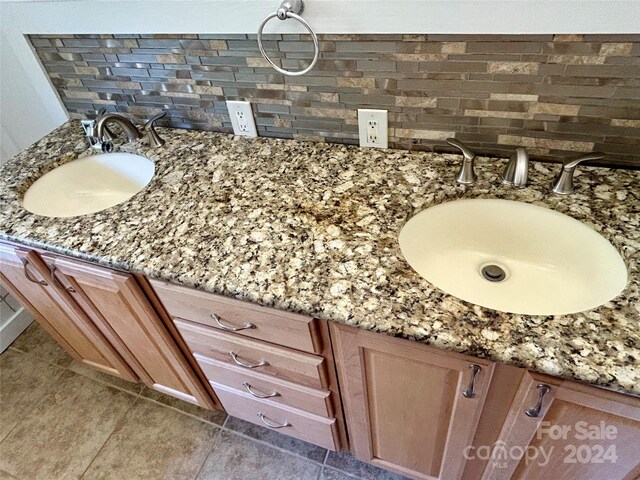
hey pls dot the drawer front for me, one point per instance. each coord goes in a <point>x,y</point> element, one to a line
<point>243,318</point>
<point>305,426</point>
<point>259,385</point>
<point>257,356</point>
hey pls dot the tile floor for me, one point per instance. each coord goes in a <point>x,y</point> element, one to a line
<point>62,420</point>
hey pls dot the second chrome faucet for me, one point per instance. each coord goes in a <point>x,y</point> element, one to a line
<point>516,172</point>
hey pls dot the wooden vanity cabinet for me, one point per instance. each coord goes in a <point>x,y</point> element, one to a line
<point>120,309</point>
<point>23,273</point>
<point>405,402</point>
<point>103,318</point>
<point>571,431</point>
<point>266,366</point>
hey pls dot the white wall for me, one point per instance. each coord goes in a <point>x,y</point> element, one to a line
<point>29,107</point>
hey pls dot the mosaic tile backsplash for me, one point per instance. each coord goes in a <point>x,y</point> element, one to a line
<point>557,95</point>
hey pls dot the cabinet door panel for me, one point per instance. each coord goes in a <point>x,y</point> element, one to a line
<point>116,303</point>
<point>404,404</point>
<point>558,437</point>
<point>55,311</point>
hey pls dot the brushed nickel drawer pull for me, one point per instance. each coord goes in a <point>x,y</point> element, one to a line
<point>234,356</point>
<point>534,412</point>
<point>470,392</point>
<point>247,385</point>
<point>269,423</point>
<point>30,277</point>
<point>57,282</point>
<point>246,326</point>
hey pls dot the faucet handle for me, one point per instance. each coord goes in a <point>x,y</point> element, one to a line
<point>563,183</point>
<point>152,136</point>
<point>466,175</point>
<point>516,172</point>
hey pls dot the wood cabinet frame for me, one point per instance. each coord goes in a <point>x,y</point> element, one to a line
<point>52,306</point>
<point>351,346</point>
<point>519,430</point>
<point>141,347</point>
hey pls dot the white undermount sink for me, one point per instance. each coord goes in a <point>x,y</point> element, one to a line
<point>513,257</point>
<point>89,185</point>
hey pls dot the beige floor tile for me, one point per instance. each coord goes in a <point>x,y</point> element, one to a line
<point>36,341</point>
<point>60,436</point>
<point>156,443</point>
<point>24,380</point>
<point>346,462</point>
<point>6,476</point>
<point>213,416</point>
<point>111,380</point>
<point>238,458</point>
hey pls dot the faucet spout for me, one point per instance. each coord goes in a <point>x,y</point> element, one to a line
<point>129,128</point>
<point>516,172</point>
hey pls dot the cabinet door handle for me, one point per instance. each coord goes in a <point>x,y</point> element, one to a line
<point>535,411</point>
<point>247,385</point>
<point>246,326</point>
<point>234,356</point>
<point>30,277</point>
<point>57,282</point>
<point>470,392</point>
<point>269,423</point>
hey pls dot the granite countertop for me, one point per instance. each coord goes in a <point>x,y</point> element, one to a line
<point>312,228</point>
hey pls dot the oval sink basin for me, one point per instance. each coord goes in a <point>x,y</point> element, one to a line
<point>513,257</point>
<point>88,185</point>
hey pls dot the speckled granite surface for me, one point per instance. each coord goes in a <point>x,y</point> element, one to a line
<point>313,228</point>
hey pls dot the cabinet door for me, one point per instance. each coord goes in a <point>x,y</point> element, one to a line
<point>405,404</point>
<point>118,306</point>
<point>27,278</point>
<point>563,430</point>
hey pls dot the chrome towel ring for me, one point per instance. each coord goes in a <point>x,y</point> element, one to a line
<point>290,9</point>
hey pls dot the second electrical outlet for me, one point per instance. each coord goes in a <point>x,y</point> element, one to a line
<point>242,118</point>
<point>372,126</point>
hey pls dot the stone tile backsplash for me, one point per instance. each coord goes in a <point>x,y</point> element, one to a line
<point>558,95</point>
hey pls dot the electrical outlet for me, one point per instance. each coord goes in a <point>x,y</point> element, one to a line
<point>242,118</point>
<point>373,128</point>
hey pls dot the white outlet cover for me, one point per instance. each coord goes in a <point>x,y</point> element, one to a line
<point>240,109</point>
<point>365,116</point>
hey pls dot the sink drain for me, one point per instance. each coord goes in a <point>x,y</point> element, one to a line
<point>493,273</point>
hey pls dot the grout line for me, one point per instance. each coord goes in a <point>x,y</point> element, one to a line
<point>346,474</point>
<point>208,422</point>
<point>326,457</point>
<point>215,425</point>
<point>213,446</point>
<point>115,427</point>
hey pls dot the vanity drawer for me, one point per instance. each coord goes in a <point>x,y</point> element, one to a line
<point>275,326</point>
<point>320,431</point>
<point>254,355</point>
<point>291,394</point>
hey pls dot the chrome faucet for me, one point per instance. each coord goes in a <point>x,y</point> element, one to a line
<point>466,175</point>
<point>516,173</point>
<point>129,128</point>
<point>563,183</point>
<point>89,127</point>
